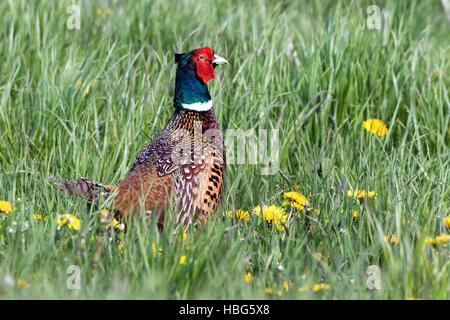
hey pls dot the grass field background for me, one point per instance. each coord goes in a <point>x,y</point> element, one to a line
<point>85,102</point>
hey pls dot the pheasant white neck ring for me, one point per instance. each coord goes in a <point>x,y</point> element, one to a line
<point>198,106</point>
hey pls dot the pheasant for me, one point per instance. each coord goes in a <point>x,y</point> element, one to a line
<point>185,163</point>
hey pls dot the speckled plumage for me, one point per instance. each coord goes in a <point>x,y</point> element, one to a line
<point>194,181</point>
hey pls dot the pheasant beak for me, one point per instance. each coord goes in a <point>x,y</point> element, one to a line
<point>218,60</point>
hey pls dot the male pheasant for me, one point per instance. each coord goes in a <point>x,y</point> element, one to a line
<point>185,163</point>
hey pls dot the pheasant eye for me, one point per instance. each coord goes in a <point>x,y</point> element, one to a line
<point>201,57</point>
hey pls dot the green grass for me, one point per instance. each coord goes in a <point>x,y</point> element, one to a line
<point>49,126</point>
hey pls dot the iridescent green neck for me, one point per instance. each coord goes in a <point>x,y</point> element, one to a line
<point>190,90</point>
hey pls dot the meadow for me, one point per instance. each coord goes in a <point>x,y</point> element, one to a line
<point>84,102</point>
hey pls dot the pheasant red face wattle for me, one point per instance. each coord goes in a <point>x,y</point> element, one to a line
<point>203,58</point>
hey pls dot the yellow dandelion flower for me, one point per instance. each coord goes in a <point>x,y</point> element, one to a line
<point>99,11</point>
<point>79,83</point>
<point>240,214</point>
<point>355,214</point>
<point>293,204</point>
<point>22,283</point>
<point>160,250</point>
<point>372,194</point>
<point>430,241</point>
<point>286,286</point>
<point>320,286</point>
<point>268,290</point>
<point>393,240</point>
<point>104,219</point>
<point>248,277</point>
<point>184,236</point>
<point>295,196</point>
<point>443,238</point>
<point>243,215</point>
<point>183,260</point>
<point>316,288</point>
<point>120,246</point>
<point>295,199</point>
<point>39,217</point>
<point>116,224</point>
<point>375,126</point>
<point>361,194</point>
<point>272,214</point>
<point>447,222</point>
<point>69,219</point>
<point>5,207</point>
<point>279,292</point>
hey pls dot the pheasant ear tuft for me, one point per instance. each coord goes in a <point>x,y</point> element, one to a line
<point>177,57</point>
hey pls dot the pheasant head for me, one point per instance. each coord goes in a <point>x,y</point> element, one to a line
<point>195,69</point>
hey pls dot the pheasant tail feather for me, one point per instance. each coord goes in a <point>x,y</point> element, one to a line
<point>84,188</point>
